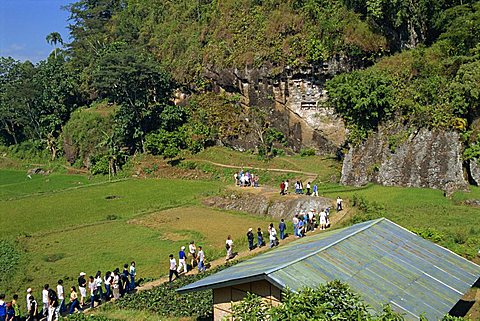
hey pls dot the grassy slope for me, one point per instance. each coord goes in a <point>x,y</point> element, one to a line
<point>64,230</point>
<point>68,231</point>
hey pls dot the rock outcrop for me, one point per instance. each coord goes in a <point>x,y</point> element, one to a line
<point>293,100</point>
<point>474,169</point>
<point>422,158</point>
<point>261,205</point>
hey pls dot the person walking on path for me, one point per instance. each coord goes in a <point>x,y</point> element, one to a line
<point>52,305</point>
<point>61,297</point>
<point>182,260</point>
<point>339,204</point>
<point>99,283</point>
<point>116,284</point>
<point>125,282</point>
<point>282,188</point>
<point>173,269</point>
<point>201,259</point>
<point>273,236</point>
<point>74,304</point>
<point>92,286</point>
<point>45,300</point>
<point>229,247</point>
<point>308,188</point>
<point>295,225</point>
<point>108,279</point>
<point>287,183</point>
<point>133,274</point>
<point>29,294</point>
<point>260,238</point>
<point>16,308</point>
<point>315,190</point>
<point>192,251</point>
<point>323,220</point>
<point>250,239</point>
<point>3,307</point>
<point>33,309</point>
<point>282,227</point>
<point>82,287</point>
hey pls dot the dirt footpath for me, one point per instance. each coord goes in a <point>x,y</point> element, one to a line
<point>336,219</point>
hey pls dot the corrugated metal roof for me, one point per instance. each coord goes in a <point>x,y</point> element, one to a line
<point>380,260</point>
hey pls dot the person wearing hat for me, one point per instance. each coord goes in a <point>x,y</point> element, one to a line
<point>82,287</point>
<point>250,238</point>
<point>182,261</point>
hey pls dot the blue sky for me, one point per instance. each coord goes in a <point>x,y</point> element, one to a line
<point>24,24</point>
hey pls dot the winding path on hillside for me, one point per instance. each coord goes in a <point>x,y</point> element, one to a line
<point>245,254</point>
<point>310,176</point>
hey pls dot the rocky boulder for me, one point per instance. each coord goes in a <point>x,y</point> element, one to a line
<point>277,208</point>
<point>403,157</point>
<point>474,167</point>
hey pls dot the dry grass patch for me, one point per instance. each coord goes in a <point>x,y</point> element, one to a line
<point>211,226</point>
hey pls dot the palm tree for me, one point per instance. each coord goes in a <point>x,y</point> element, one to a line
<point>54,38</point>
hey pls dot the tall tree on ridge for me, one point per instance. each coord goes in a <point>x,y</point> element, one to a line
<point>54,38</point>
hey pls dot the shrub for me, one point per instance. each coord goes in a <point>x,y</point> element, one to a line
<point>307,152</point>
<point>332,301</point>
<point>159,300</point>
<point>9,258</point>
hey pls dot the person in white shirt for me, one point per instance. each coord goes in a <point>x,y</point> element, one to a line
<point>92,286</point>
<point>323,220</point>
<point>98,283</point>
<point>201,260</point>
<point>229,247</point>
<point>273,235</point>
<point>45,300</point>
<point>29,294</point>
<point>61,297</point>
<point>286,186</point>
<point>116,284</point>
<point>133,273</point>
<point>108,283</point>
<point>339,204</point>
<point>173,268</point>
<point>192,251</point>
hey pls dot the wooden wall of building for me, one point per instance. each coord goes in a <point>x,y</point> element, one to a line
<point>225,298</point>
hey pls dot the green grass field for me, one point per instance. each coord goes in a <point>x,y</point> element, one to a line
<point>62,224</point>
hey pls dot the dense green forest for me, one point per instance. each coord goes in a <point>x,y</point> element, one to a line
<point>108,93</point>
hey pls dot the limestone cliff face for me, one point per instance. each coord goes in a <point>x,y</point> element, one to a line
<point>474,169</point>
<point>422,158</point>
<point>293,100</point>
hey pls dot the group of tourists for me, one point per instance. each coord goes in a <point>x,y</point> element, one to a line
<point>272,236</point>
<point>54,303</point>
<point>244,179</point>
<point>309,190</point>
<point>186,262</point>
<point>304,221</point>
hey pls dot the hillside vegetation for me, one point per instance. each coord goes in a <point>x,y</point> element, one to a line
<point>126,57</point>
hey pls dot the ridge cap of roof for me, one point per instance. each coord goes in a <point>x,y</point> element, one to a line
<point>438,245</point>
<point>372,223</point>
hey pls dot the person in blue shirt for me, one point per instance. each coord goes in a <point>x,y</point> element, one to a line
<point>315,190</point>
<point>300,228</point>
<point>182,260</point>
<point>3,307</point>
<point>282,227</point>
